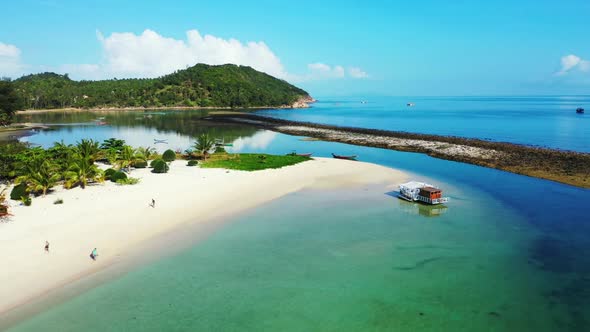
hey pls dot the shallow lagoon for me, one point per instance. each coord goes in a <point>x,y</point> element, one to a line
<point>506,249</point>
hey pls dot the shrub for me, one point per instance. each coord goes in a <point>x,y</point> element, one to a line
<point>26,200</point>
<point>109,173</point>
<point>192,163</point>
<point>118,175</point>
<point>169,155</point>
<point>58,201</point>
<point>160,166</point>
<point>128,181</point>
<point>140,164</point>
<point>219,149</point>
<point>19,191</point>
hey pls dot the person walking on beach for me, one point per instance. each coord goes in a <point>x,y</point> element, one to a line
<point>94,254</point>
<point>46,246</point>
<point>153,203</point>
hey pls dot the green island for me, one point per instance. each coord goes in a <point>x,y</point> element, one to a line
<point>223,86</point>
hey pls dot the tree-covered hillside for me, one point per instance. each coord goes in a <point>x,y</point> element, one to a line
<point>200,85</point>
<point>9,101</point>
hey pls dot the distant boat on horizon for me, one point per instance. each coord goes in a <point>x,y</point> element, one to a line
<point>580,110</point>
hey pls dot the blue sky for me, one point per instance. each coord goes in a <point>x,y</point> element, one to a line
<point>327,47</point>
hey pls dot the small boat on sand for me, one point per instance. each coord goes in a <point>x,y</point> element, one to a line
<point>163,141</point>
<point>299,154</point>
<point>580,110</point>
<point>353,157</point>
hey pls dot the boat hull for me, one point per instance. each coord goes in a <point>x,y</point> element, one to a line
<point>425,200</point>
<point>344,157</point>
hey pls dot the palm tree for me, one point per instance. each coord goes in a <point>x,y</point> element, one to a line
<point>147,153</point>
<point>62,154</point>
<point>112,143</point>
<point>204,144</point>
<point>88,148</point>
<point>39,175</point>
<point>127,156</point>
<point>112,156</point>
<point>81,171</point>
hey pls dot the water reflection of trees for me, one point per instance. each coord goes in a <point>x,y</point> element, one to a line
<point>186,123</point>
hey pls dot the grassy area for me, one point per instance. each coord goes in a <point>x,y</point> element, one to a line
<point>250,162</point>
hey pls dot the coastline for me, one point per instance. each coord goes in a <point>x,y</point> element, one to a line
<point>300,103</point>
<point>116,219</point>
<point>19,130</point>
<point>566,167</point>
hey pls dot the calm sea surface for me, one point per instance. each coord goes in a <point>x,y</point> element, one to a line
<point>540,121</point>
<point>508,253</point>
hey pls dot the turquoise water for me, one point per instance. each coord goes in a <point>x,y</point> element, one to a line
<point>506,249</point>
<point>353,261</point>
<point>549,121</point>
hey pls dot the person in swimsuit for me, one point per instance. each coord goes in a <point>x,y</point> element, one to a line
<point>46,246</point>
<point>153,203</point>
<point>94,254</point>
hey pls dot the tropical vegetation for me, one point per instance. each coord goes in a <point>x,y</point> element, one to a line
<point>36,171</point>
<point>198,86</point>
<point>10,101</point>
<point>160,166</point>
<point>204,144</point>
<point>169,155</point>
<point>251,162</point>
<point>3,207</point>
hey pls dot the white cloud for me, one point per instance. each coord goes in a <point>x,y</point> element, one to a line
<point>149,54</point>
<point>356,72</point>
<point>322,71</point>
<point>573,62</point>
<point>7,50</point>
<point>259,141</point>
<point>10,61</point>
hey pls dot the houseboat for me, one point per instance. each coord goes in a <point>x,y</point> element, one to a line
<point>423,192</point>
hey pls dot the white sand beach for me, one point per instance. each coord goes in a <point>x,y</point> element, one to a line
<point>115,218</point>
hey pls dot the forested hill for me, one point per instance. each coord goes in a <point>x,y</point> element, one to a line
<point>201,85</point>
